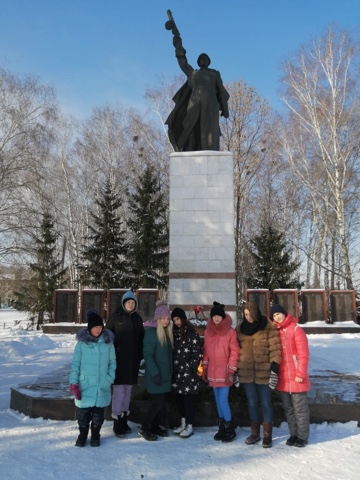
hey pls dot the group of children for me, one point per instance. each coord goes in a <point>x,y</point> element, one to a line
<point>260,354</point>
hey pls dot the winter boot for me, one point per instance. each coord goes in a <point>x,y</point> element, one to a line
<point>95,436</point>
<point>267,440</point>
<point>229,434</point>
<point>116,422</point>
<point>119,425</point>
<point>178,430</point>
<point>290,442</point>
<point>300,443</point>
<point>187,432</point>
<point>219,435</point>
<point>81,440</point>
<point>126,426</point>
<point>255,434</point>
<point>146,433</point>
<point>160,432</point>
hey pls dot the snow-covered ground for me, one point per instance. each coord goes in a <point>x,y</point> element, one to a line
<point>38,448</point>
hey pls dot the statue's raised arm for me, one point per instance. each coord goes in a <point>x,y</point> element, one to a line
<point>180,51</point>
<point>193,124</point>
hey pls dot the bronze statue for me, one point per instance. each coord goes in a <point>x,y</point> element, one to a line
<point>193,124</point>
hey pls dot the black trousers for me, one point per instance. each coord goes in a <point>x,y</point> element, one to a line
<point>91,414</point>
<point>153,414</point>
<point>187,407</point>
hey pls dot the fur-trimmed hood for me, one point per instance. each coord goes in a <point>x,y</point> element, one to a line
<point>221,329</point>
<point>83,335</point>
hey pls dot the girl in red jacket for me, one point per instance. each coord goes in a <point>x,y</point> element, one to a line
<point>293,383</point>
<point>221,354</point>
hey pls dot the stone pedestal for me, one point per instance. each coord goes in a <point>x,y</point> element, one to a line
<point>202,254</point>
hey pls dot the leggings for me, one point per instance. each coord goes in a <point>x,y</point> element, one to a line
<point>222,402</point>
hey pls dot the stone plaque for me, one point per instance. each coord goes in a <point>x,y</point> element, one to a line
<point>288,298</point>
<point>261,298</point>
<point>65,306</point>
<point>313,304</point>
<point>343,305</point>
<point>113,302</point>
<point>91,299</point>
<point>147,298</point>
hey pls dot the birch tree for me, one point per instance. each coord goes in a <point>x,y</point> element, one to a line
<point>320,136</point>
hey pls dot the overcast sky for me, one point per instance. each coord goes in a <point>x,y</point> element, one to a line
<point>103,51</point>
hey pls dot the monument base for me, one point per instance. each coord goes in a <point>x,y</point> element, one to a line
<point>202,255</point>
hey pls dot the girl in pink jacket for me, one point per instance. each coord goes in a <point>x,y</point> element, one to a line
<point>293,383</point>
<point>221,355</point>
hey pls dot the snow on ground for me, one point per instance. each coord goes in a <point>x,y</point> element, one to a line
<point>38,448</point>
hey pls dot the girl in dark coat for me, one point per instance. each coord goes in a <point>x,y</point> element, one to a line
<point>187,356</point>
<point>127,326</point>
<point>158,349</point>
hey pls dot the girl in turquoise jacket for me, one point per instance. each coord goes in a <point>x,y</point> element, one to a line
<point>91,375</point>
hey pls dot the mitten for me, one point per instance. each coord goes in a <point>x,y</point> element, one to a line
<point>273,380</point>
<point>157,379</point>
<point>74,389</point>
<point>204,375</point>
<point>236,380</point>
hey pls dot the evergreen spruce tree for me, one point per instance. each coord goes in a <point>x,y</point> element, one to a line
<point>104,257</point>
<point>149,230</point>
<point>37,296</point>
<point>273,267</point>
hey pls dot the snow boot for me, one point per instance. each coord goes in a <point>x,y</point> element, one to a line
<point>290,442</point>
<point>300,443</point>
<point>187,432</point>
<point>119,427</point>
<point>126,426</point>
<point>229,434</point>
<point>267,440</point>
<point>255,434</point>
<point>81,440</point>
<point>95,436</point>
<point>219,435</point>
<point>160,432</point>
<point>146,433</point>
<point>179,429</point>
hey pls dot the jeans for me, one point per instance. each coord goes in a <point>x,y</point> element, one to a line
<point>256,395</point>
<point>222,402</point>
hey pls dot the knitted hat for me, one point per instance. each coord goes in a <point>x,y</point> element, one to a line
<point>93,319</point>
<point>178,312</point>
<point>217,309</point>
<point>129,295</point>
<point>161,310</point>
<point>276,308</point>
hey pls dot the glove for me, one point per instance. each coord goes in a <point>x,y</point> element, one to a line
<point>157,380</point>
<point>274,370</point>
<point>236,380</point>
<point>74,389</point>
<point>204,375</point>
